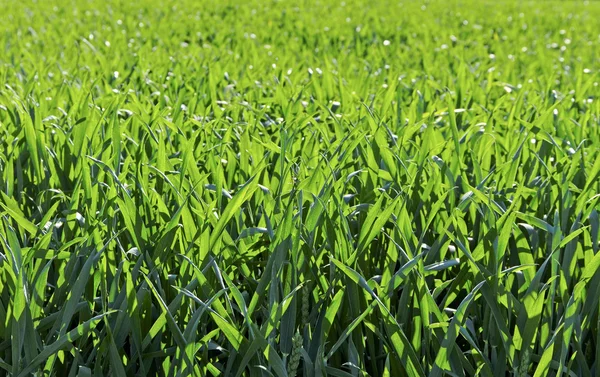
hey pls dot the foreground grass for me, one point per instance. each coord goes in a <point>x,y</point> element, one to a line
<point>299,188</point>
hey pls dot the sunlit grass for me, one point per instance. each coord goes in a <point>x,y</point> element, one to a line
<point>299,188</point>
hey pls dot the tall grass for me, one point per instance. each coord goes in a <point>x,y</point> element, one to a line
<point>299,188</point>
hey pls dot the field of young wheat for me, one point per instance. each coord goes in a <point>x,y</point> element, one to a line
<point>299,188</point>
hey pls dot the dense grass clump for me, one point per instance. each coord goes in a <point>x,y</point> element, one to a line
<point>299,188</point>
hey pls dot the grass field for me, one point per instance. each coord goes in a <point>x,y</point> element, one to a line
<point>299,188</point>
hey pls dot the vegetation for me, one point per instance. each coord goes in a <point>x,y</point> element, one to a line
<point>309,188</point>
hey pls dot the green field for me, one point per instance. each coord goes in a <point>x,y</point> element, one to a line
<point>299,188</point>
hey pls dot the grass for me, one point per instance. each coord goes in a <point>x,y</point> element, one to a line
<point>299,188</point>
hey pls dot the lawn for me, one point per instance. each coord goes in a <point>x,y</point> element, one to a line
<point>299,188</point>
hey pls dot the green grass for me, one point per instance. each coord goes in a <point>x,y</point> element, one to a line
<point>308,188</point>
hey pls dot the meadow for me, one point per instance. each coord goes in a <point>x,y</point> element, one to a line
<point>299,188</point>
